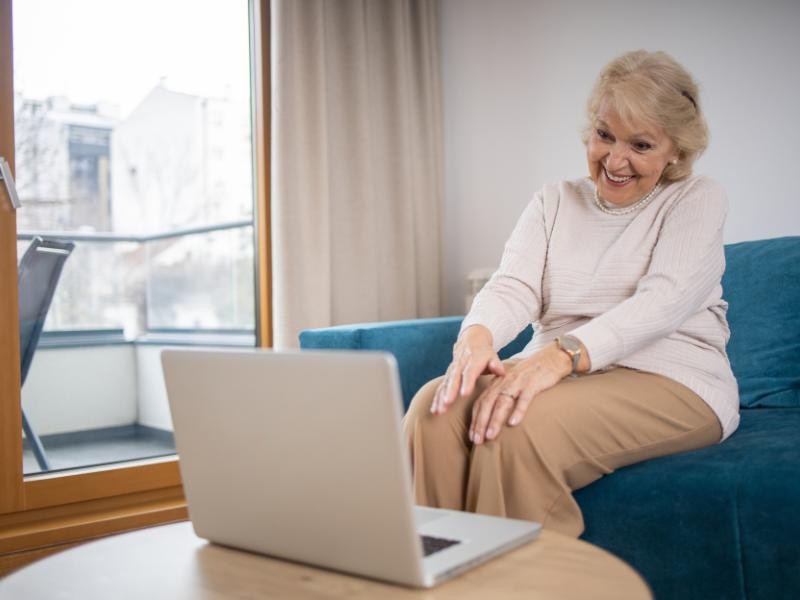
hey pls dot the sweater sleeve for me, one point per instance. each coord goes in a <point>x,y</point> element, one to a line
<point>686,266</point>
<point>512,298</point>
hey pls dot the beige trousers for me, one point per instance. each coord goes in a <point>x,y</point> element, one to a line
<point>572,434</point>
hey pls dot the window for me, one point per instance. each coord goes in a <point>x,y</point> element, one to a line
<point>148,170</point>
<point>70,187</point>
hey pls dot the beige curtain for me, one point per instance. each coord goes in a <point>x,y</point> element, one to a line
<point>357,163</point>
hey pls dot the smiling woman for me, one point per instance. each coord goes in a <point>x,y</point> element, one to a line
<point>619,273</point>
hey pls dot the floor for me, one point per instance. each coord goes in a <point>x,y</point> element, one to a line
<point>100,447</point>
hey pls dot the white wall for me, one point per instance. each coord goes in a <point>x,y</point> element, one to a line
<point>516,74</point>
<point>74,389</point>
<point>153,404</point>
<point>94,387</point>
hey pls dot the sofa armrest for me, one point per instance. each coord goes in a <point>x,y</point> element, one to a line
<point>423,347</point>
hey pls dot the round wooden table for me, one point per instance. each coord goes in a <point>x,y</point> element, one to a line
<point>171,562</point>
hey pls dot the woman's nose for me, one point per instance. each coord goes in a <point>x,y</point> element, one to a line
<point>617,157</point>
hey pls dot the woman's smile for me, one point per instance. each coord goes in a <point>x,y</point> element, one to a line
<point>617,180</point>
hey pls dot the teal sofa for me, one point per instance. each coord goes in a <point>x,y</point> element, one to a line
<point>717,523</point>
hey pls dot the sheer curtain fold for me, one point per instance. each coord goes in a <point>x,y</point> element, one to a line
<point>357,163</point>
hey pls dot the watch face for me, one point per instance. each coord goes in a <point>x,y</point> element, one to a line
<point>570,344</point>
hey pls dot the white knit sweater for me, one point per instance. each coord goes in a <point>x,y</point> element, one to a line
<point>640,290</point>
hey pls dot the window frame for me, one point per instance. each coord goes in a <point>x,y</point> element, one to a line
<point>43,513</point>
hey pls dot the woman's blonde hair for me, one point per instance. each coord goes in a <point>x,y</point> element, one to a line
<point>652,87</point>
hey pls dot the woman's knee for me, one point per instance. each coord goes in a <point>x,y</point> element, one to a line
<point>418,418</point>
<point>419,421</point>
<point>421,402</point>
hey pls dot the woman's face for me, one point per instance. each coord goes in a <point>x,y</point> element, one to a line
<point>626,162</point>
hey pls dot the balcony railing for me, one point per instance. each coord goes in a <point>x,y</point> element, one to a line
<point>196,283</point>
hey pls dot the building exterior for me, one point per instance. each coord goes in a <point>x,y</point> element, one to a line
<point>180,160</point>
<point>176,161</point>
<point>63,157</point>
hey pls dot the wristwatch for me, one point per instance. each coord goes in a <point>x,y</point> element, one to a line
<point>572,347</point>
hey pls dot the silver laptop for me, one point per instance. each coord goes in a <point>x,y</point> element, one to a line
<point>298,455</point>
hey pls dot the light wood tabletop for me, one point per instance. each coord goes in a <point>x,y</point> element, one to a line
<point>171,562</point>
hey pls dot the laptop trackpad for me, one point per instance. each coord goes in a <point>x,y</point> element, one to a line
<point>424,515</point>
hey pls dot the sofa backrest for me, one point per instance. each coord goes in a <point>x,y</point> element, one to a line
<point>762,286</point>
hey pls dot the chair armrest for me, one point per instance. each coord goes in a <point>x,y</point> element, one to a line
<point>423,347</point>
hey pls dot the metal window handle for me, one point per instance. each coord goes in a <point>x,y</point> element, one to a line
<point>8,180</point>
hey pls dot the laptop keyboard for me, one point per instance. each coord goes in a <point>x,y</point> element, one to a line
<point>431,545</point>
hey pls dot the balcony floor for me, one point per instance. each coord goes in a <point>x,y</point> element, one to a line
<point>99,447</point>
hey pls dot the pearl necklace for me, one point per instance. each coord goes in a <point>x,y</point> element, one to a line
<point>626,209</point>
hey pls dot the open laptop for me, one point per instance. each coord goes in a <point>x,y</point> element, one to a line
<point>298,455</point>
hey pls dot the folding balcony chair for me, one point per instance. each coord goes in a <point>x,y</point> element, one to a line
<point>39,271</point>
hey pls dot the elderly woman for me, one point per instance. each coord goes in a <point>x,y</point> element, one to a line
<point>619,272</point>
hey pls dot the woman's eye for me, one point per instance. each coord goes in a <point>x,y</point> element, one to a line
<point>642,146</point>
<point>603,134</point>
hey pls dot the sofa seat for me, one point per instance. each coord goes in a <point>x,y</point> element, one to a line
<point>720,522</point>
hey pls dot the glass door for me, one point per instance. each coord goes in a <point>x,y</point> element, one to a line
<point>134,146</point>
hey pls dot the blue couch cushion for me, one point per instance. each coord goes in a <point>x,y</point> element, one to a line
<point>762,286</point>
<point>682,521</point>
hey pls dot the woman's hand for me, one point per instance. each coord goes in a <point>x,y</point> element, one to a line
<point>473,356</point>
<point>505,401</point>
